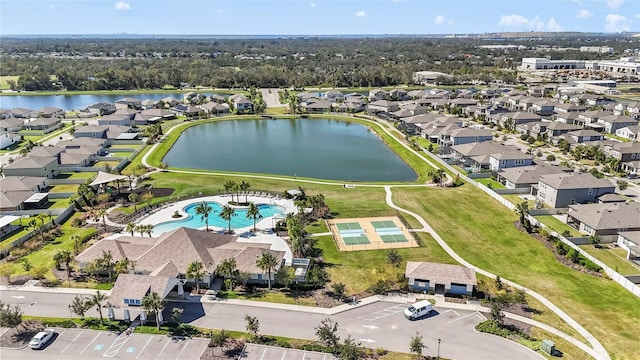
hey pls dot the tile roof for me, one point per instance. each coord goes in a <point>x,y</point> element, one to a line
<point>440,273</point>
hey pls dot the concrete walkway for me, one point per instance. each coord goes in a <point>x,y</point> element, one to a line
<point>598,351</point>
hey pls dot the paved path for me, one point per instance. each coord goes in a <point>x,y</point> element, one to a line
<point>597,350</point>
<point>271,98</point>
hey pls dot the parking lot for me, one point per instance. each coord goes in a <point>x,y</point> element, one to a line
<point>263,352</point>
<point>90,344</point>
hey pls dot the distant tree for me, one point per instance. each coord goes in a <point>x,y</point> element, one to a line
<point>10,316</point>
<point>229,187</point>
<point>253,325</point>
<point>498,283</point>
<point>130,228</point>
<point>134,198</point>
<point>339,290</point>
<point>176,314</point>
<point>244,187</point>
<point>394,258</point>
<point>228,270</point>
<point>496,313</point>
<point>349,350</point>
<point>147,198</point>
<point>327,333</point>
<point>551,157</point>
<point>79,306</point>
<point>64,257</point>
<point>6,270</point>
<point>267,262</point>
<point>217,339</point>
<point>622,185</point>
<point>102,213</point>
<point>595,240</point>
<point>437,176</point>
<point>76,243</point>
<point>416,345</point>
<point>123,266</point>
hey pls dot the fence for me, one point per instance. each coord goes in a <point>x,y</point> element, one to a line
<point>52,182</point>
<point>126,161</point>
<point>614,275</point>
<point>539,212</point>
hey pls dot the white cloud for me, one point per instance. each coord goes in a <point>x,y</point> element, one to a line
<point>313,5</point>
<point>121,5</point>
<point>553,25</point>
<point>219,11</point>
<point>617,23</point>
<point>583,14</point>
<point>637,16</point>
<point>439,20</point>
<point>361,13</point>
<point>521,22</point>
<point>52,6</point>
<point>615,4</point>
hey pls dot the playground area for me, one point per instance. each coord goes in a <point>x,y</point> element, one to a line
<point>371,233</point>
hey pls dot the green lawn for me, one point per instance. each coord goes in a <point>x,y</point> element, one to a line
<point>77,175</point>
<point>14,237</point>
<point>490,183</point>
<point>4,81</point>
<point>558,226</point>
<point>59,203</point>
<point>516,199</point>
<point>44,256</point>
<point>65,188</point>
<point>358,269</point>
<point>481,231</point>
<point>612,259</point>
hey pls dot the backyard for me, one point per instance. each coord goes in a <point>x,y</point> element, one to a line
<point>558,226</point>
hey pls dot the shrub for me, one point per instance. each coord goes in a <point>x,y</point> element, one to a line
<point>551,157</point>
<point>59,323</point>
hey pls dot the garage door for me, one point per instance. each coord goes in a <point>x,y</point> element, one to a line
<point>458,289</point>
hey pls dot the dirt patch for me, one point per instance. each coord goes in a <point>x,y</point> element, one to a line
<point>21,335</point>
<point>231,350</point>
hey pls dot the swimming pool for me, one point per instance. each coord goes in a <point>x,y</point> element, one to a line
<point>194,221</point>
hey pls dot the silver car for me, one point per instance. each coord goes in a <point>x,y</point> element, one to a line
<point>41,338</point>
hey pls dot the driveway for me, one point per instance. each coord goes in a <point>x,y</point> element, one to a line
<point>271,98</point>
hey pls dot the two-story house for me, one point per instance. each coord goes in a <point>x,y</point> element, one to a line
<point>509,159</point>
<point>562,190</point>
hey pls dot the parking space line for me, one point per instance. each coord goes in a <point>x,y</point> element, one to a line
<point>185,346</point>
<point>205,349</point>
<point>165,345</point>
<point>481,316</point>
<point>462,317</point>
<point>304,355</point>
<point>112,353</point>
<point>144,347</point>
<point>284,354</point>
<point>71,343</point>
<point>89,344</point>
<point>264,352</point>
<point>57,337</point>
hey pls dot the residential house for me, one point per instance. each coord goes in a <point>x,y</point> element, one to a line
<point>398,95</point>
<point>415,109</point>
<point>21,113</point>
<point>116,119</point>
<point>21,200</point>
<point>44,124</point>
<point>334,96</point>
<point>624,151</point>
<point>351,105</point>
<point>612,123</point>
<point>562,190</point>
<point>590,117</point>
<point>440,278</point>
<point>102,108</point>
<point>518,118</point>
<point>33,166</point>
<point>92,131</point>
<point>193,111</point>
<point>463,103</point>
<point>317,106</point>
<point>168,102</point>
<point>567,108</point>
<point>476,155</point>
<point>534,129</point>
<point>378,94</point>
<point>11,124</point>
<point>605,219</point>
<point>382,106</point>
<point>128,103</point>
<point>6,224</point>
<point>148,104</point>
<point>629,132</point>
<point>527,177</point>
<point>48,112</point>
<point>461,136</point>
<point>23,183</point>
<point>215,108</point>
<point>557,128</point>
<point>540,91</point>
<point>567,118</point>
<point>7,139</point>
<point>630,241</point>
<point>241,103</point>
<point>544,107</point>
<point>218,98</point>
<point>582,136</point>
<point>509,159</point>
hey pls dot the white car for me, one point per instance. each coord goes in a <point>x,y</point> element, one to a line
<point>41,338</point>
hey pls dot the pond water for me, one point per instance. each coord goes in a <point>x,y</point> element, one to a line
<point>75,102</point>
<point>315,148</point>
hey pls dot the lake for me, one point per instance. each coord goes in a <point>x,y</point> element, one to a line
<point>314,148</point>
<point>75,102</point>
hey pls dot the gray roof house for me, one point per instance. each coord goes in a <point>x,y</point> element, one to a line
<point>562,190</point>
<point>116,119</point>
<point>614,122</point>
<point>630,241</point>
<point>528,176</point>
<point>440,278</point>
<point>627,151</point>
<point>11,124</point>
<point>23,183</point>
<point>92,131</point>
<point>9,138</point>
<point>44,124</point>
<point>382,106</point>
<point>33,166</point>
<point>629,132</point>
<point>557,128</point>
<point>605,219</point>
<point>509,159</point>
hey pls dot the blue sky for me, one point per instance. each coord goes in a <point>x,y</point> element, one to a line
<point>314,17</point>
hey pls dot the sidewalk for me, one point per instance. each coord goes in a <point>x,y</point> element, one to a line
<point>56,290</point>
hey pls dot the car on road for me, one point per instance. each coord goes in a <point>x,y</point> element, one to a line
<point>41,338</point>
<point>418,310</point>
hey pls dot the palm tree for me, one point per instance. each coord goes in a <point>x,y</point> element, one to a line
<point>253,213</point>
<point>195,270</point>
<point>134,197</point>
<point>122,266</point>
<point>75,238</point>
<point>229,186</point>
<point>267,262</point>
<point>97,300</point>
<point>130,228</point>
<point>103,214</point>
<point>65,257</point>
<point>522,209</point>
<point>437,176</point>
<point>227,213</point>
<point>228,270</point>
<point>106,262</point>
<point>152,303</point>
<point>141,229</point>
<point>148,229</point>
<point>244,186</point>
<point>204,209</point>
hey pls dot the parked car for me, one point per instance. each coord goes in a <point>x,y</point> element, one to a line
<point>41,338</point>
<point>418,310</point>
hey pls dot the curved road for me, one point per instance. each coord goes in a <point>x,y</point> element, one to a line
<point>596,350</point>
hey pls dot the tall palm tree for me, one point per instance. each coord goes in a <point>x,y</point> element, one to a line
<point>122,266</point>
<point>134,197</point>
<point>148,229</point>
<point>141,229</point>
<point>103,214</point>
<point>195,270</point>
<point>152,303</point>
<point>229,187</point>
<point>267,262</point>
<point>227,213</point>
<point>437,176</point>
<point>130,228</point>
<point>106,262</point>
<point>97,300</point>
<point>228,270</point>
<point>65,257</point>
<point>244,186</point>
<point>253,213</point>
<point>76,246</point>
<point>204,209</point>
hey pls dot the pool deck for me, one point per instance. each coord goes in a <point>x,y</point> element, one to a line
<point>263,234</point>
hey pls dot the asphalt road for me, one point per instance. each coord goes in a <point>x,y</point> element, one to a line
<point>270,97</point>
<point>376,325</point>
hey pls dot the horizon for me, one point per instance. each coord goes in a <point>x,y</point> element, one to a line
<point>314,17</point>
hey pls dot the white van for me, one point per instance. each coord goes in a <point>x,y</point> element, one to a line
<point>418,310</point>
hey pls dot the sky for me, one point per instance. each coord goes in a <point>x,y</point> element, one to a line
<point>315,17</point>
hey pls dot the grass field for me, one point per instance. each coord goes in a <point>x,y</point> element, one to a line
<point>558,226</point>
<point>490,183</point>
<point>65,188</point>
<point>481,231</point>
<point>614,260</point>
<point>4,81</point>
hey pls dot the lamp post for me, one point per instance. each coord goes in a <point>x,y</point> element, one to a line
<point>439,340</point>
<point>70,316</point>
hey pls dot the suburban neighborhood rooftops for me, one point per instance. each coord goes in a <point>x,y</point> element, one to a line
<point>29,162</point>
<point>607,215</point>
<point>481,148</point>
<point>511,155</point>
<point>530,174</point>
<point>17,183</point>
<point>609,198</point>
<point>10,199</point>
<point>440,273</point>
<point>575,181</point>
<point>633,236</point>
